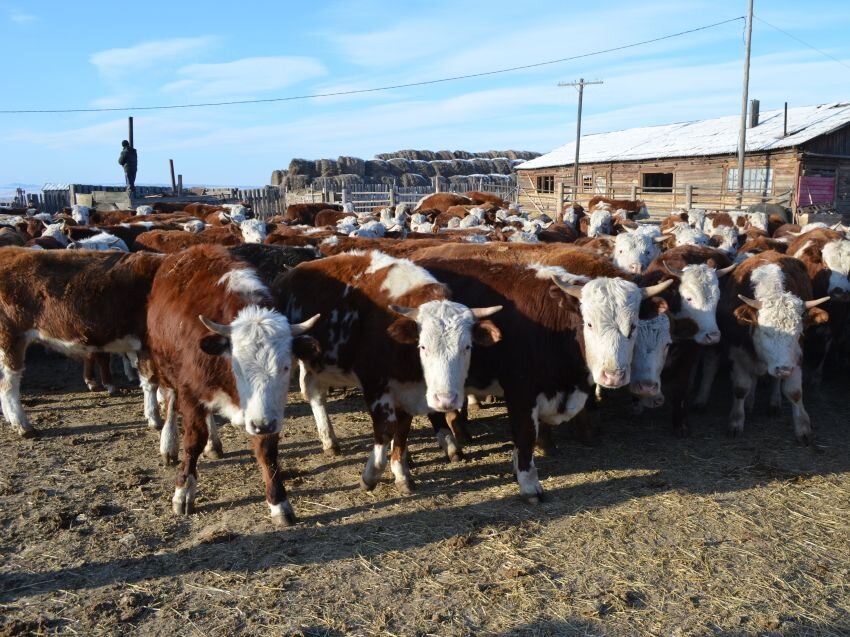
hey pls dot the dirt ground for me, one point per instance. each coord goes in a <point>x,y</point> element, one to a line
<point>645,534</point>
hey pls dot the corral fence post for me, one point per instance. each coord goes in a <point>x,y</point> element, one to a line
<point>559,201</point>
<point>689,196</point>
<point>179,185</point>
<point>344,196</point>
<point>633,193</point>
<point>393,196</point>
<point>436,183</point>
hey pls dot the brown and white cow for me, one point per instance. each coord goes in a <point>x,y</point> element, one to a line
<point>76,302</point>
<point>218,346</point>
<point>764,309</point>
<point>388,326</point>
<point>561,333</point>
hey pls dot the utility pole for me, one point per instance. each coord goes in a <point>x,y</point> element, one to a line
<point>130,131</point>
<point>742,133</point>
<point>580,84</point>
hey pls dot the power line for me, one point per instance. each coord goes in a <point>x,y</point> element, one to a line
<point>811,46</point>
<point>375,89</point>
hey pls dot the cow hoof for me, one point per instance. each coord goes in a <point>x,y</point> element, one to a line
<point>29,432</point>
<point>405,487</point>
<point>92,386</point>
<point>156,425</point>
<point>734,432</point>
<point>366,486</point>
<point>546,451</point>
<point>332,451</point>
<point>214,453</point>
<point>285,517</point>
<point>183,507</point>
<point>111,390</point>
<point>535,498</point>
<point>804,439</point>
<point>457,456</point>
<point>169,460</point>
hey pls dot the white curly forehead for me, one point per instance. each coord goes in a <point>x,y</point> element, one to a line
<point>783,313</point>
<point>701,279</point>
<point>605,300</point>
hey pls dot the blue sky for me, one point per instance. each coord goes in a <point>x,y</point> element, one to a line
<point>115,54</point>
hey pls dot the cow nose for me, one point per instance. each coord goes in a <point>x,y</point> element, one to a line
<point>644,388</point>
<point>614,378</point>
<point>446,401</point>
<point>264,426</point>
<point>712,338</point>
<point>783,372</point>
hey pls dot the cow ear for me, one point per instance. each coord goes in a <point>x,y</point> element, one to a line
<point>404,331</point>
<point>815,316</point>
<point>215,344</point>
<point>746,315</point>
<point>486,333</point>
<point>306,348</point>
<point>652,307</point>
<point>684,329</point>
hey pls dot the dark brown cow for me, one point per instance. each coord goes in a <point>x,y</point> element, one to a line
<point>328,217</point>
<point>477,197</point>
<point>558,233</point>
<point>764,309</point>
<point>787,232</point>
<point>170,241</point>
<point>376,310</point>
<point>557,336</point>
<point>77,302</point>
<point>760,244</point>
<point>217,345</point>
<point>11,237</point>
<point>270,260</point>
<point>305,213</point>
<point>635,209</point>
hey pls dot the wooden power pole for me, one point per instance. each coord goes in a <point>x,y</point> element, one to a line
<point>130,131</point>
<point>580,84</point>
<point>742,133</point>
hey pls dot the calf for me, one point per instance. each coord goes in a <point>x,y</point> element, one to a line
<point>77,303</point>
<point>305,213</point>
<point>389,327</point>
<point>217,345</point>
<point>764,310</point>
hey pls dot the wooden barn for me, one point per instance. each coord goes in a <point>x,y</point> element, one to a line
<point>794,156</point>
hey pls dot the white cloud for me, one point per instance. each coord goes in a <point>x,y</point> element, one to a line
<point>20,17</point>
<point>248,75</point>
<point>114,62</point>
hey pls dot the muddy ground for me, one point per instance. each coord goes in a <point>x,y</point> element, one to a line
<point>643,534</point>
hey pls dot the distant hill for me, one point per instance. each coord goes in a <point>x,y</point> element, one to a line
<point>404,168</point>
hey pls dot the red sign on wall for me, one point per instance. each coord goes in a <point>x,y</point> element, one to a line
<point>814,189</point>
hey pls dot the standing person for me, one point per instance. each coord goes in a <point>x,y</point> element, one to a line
<point>129,160</point>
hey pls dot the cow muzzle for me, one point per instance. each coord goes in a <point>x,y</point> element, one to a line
<point>644,389</point>
<point>446,402</point>
<point>262,427</point>
<point>782,372</point>
<point>612,379</point>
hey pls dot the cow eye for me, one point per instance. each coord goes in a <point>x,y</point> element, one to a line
<point>590,326</point>
<point>421,348</point>
<point>689,299</point>
<point>631,331</point>
<point>468,347</point>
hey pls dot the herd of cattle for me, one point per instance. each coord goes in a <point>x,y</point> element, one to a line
<point>423,310</point>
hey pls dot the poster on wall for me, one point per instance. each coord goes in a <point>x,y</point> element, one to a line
<point>814,189</point>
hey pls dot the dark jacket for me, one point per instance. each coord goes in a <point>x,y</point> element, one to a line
<point>128,159</point>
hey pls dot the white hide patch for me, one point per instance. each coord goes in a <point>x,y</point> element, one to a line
<point>402,275</point>
<point>600,223</point>
<point>634,251</point>
<point>54,231</point>
<point>836,256</point>
<point>651,344</point>
<point>767,280</point>
<point>246,283</point>
<point>548,272</point>
<point>699,289</point>
<point>549,409</point>
<point>100,241</point>
<point>253,230</point>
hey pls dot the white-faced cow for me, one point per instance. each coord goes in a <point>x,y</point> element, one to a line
<point>388,326</point>
<point>764,310</point>
<point>218,346</point>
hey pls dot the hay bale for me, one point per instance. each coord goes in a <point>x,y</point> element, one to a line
<point>302,167</point>
<point>375,169</point>
<point>277,178</point>
<point>398,166</point>
<point>444,154</point>
<point>422,167</point>
<point>414,179</point>
<point>351,166</point>
<point>326,167</point>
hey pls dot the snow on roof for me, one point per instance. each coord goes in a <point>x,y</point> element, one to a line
<point>706,137</point>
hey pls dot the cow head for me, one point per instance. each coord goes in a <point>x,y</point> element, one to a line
<point>259,343</point>
<point>253,230</point>
<point>776,324</point>
<point>836,256</point>
<point>445,333</point>
<point>600,223</point>
<point>609,310</point>
<point>55,231</point>
<point>634,251</point>
<point>80,214</point>
<point>725,239</point>
<point>700,291</point>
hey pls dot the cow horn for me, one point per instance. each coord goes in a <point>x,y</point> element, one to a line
<point>409,312</point>
<point>299,328</point>
<point>816,302</point>
<point>676,272</point>
<point>751,302</point>
<point>652,290</point>
<point>724,271</point>
<point>484,312</point>
<point>572,290</point>
<point>45,224</point>
<point>661,239</point>
<point>212,326</point>
<point>793,234</point>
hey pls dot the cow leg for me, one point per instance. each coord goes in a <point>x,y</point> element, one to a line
<point>383,415</point>
<point>213,449</point>
<point>169,433</point>
<point>775,405</point>
<point>317,396</point>
<point>710,360</point>
<point>129,370</point>
<point>743,383</point>
<point>472,402</point>
<point>399,456</point>
<point>194,439</point>
<point>12,356</point>
<point>445,438</point>
<point>544,443</point>
<point>457,422</point>
<point>266,451</point>
<point>149,384</point>
<point>792,388</point>
<point>524,431</point>
<point>103,360</point>
<point>88,372</point>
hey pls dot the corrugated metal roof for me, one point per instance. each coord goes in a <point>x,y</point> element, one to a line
<point>50,186</point>
<point>706,137</point>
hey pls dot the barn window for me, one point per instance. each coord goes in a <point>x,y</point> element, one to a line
<point>587,183</point>
<point>658,182</point>
<point>755,180</point>
<point>546,183</point>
